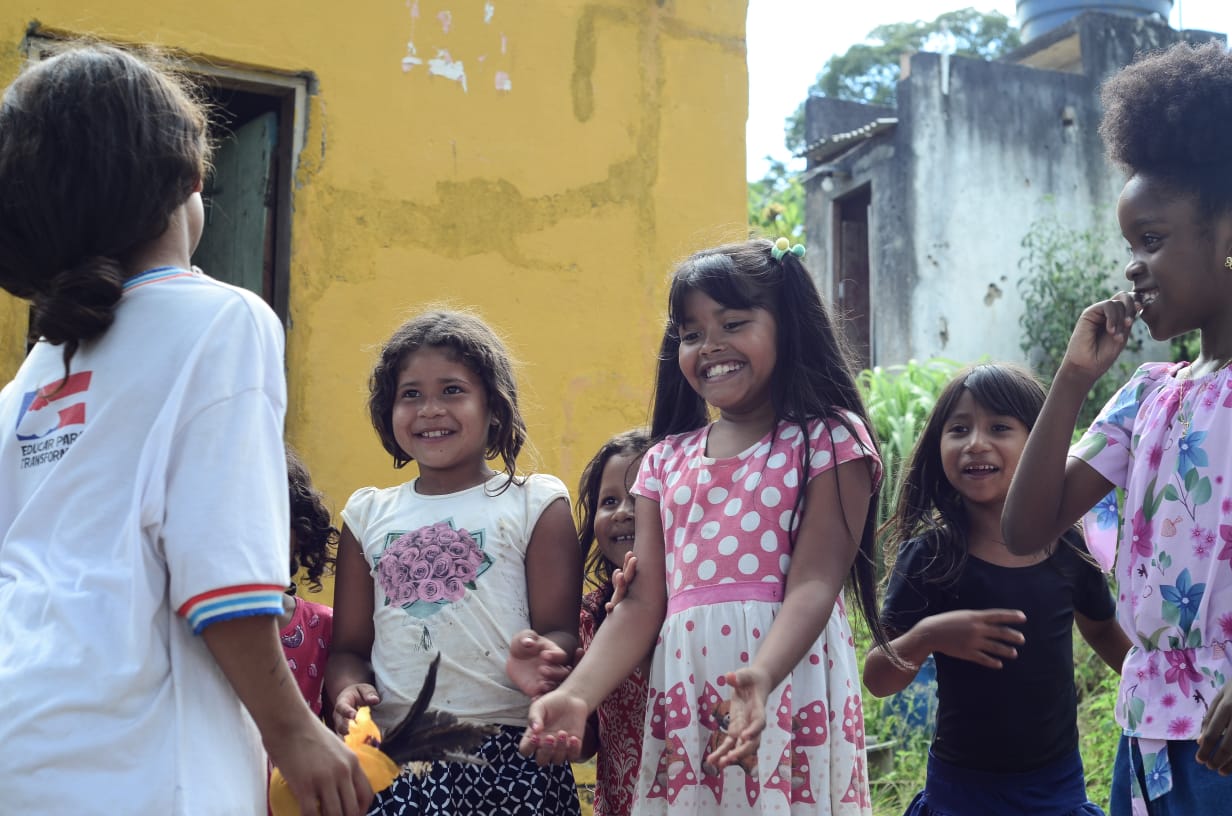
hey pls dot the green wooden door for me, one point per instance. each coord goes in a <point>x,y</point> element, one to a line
<point>236,243</point>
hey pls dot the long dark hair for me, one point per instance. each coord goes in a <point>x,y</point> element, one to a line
<point>316,538</point>
<point>927,503</point>
<point>812,376</point>
<point>630,443</point>
<point>97,149</point>
<point>477,347</point>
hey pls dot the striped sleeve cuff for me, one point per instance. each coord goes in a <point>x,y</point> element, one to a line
<point>231,602</point>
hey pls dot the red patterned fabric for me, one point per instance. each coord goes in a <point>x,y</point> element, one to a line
<point>620,718</point>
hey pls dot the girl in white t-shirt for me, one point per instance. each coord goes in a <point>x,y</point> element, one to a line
<point>143,514</point>
<point>455,562</point>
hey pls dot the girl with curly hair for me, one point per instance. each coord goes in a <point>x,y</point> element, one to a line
<point>306,627</point>
<point>453,563</point>
<point>1165,438</point>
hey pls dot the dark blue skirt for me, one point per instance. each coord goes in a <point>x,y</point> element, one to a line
<point>509,784</point>
<point>1057,789</point>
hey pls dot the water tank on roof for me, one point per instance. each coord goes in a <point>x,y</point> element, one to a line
<point>1038,16</point>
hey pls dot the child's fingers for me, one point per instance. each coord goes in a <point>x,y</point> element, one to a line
<point>529,743</point>
<point>743,749</point>
<point>720,752</point>
<point>1215,741</point>
<point>525,644</point>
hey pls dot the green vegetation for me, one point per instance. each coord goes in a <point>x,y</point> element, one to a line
<point>898,399</point>
<point>1065,270</point>
<point>776,204</point>
<point>868,71</point>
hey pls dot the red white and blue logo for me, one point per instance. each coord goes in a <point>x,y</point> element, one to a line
<point>53,408</point>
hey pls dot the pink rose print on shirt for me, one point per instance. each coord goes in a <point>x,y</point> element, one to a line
<point>425,569</point>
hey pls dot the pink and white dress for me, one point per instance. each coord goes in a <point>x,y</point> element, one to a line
<point>727,526</point>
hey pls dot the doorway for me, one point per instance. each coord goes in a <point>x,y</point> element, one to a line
<point>851,273</point>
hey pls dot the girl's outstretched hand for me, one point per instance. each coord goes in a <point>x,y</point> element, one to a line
<point>1215,742</point>
<point>747,719</point>
<point>621,579</point>
<point>555,726</point>
<point>983,636</point>
<point>536,664</point>
<point>348,703</point>
<point>1101,334</point>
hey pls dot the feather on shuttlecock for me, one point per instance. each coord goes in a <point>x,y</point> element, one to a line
<point>423,737</point>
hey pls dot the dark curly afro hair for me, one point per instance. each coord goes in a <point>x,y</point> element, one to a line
<point>1169,116</point>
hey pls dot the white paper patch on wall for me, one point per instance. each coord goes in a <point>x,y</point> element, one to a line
<point>411,59</point>
<point>443,65</point>
<point>503,82</point>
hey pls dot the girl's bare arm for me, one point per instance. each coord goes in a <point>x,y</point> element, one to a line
<point>1106,637</point>
<point>348,675</point>
<point>558,719</point>
<point>554,577</point>
<point>1048,493</point>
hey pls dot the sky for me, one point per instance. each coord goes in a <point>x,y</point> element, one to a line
<point>790,40</point>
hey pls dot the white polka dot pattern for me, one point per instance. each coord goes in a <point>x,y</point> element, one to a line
<point>719,511</point>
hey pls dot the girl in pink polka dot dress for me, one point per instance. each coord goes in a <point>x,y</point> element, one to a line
<point>747,528</point>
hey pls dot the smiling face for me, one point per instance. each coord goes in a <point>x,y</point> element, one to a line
<point>441,419</point>
<point>614,508</point>
<point>1176,261</point>
<point>727,355</point>
<point>980,451</point>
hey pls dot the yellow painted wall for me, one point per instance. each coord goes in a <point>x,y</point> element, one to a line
<point>556,207</point>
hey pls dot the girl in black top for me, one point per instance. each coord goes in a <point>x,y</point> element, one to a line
<point>1000,625</point>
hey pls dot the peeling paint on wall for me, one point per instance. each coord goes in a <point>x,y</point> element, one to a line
<point>443,65</point>
<point>455,35</point>
<point>410,60</point>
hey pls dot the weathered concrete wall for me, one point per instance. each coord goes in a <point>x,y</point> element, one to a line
<point>981,151</point>
<point>995,147</point>
<point>592,144</point>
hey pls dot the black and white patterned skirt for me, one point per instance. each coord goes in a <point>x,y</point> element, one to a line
<point>509,785</point>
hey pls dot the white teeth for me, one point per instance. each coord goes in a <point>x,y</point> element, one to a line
<point>721,368</point>
<point>434,434</point>
<point>980,469</point>
<point>624,538</point>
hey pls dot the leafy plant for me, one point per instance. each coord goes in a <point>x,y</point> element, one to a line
<point>1065,270</point>
<point>899,399</point>
<point>776,204</point>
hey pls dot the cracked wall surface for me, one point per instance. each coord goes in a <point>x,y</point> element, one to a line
<point>542,163</point>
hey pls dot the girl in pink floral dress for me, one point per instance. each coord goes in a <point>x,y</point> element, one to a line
<point>747,529</point>
<point>1165,438</point>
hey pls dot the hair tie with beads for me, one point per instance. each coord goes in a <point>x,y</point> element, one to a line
<point>782,246</point>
